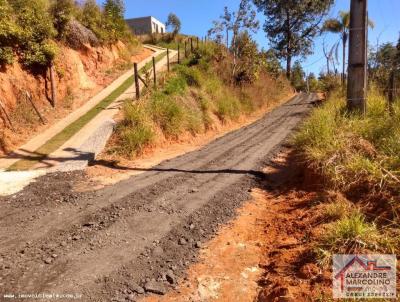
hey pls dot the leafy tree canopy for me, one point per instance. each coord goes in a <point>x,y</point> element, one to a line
<point>291,25</point>
<point>174,23</point>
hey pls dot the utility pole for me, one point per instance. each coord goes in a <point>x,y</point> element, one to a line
<point>357,78</point>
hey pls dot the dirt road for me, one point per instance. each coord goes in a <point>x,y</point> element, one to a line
<point>140,234</point>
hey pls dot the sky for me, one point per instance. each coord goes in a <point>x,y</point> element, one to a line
<point>197,16</point>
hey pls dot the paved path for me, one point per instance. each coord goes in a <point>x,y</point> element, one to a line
<point>100,127</point>
<point>102,244</point>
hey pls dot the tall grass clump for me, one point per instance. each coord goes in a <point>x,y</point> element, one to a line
<point>135,131</point>
<point>168,114</point>
<point>348,235</point>
<point>352,150</point>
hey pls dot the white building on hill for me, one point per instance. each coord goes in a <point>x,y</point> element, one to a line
<point>146,25</point>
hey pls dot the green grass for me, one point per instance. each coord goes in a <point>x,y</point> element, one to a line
<point>340,208</point>
<point>59,139</point>
<point>348,235</point>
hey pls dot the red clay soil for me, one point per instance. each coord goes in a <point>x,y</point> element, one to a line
<point>265,254</point>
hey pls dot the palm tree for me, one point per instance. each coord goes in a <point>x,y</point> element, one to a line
<point>341,25</point>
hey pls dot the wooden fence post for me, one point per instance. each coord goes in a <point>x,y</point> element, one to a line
<point>136,80</point>
<point>179,55</point>
<point>154,73</point>
<point>191,45</point>
<point>7,116</point>
<point>197,42</point>
<point>53,86</point>
<point>185,49</point>
<point>29,98</point>
<point>168,59</point>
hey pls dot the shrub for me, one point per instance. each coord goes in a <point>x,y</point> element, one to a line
<point>175,85</point>
<point>62,12</point>
<point>9,33</point>
<point>6,56</point>
<point>192,76</point>
<point>28,27</point>
<point>36,32</point>
<point>114,21</point>
<point>39,54</point>
<point>93,19</point>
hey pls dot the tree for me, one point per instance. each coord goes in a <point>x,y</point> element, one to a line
<point>248,59</point>
<point>34,44</point>
<point>291,25</point>
<point>313,83</point>
<point>271,62</point>
<point>382,62</point>
<point>62,12</point>
<point>114,11</point>
<point>174,23</point>
<point>298,75</point>
<point>9,33</point>
<point>244,19</point>
<point>91,17</point>
<point>341,25</point>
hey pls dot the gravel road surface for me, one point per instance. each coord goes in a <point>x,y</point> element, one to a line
<point>138,236</point>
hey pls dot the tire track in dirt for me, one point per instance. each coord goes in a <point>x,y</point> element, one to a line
<point>106,238</point>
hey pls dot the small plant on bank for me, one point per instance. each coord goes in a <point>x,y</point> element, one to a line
<point>339,209</point>
<point>348,235</point>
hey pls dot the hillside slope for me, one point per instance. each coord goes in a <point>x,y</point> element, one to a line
<point>79,75</point>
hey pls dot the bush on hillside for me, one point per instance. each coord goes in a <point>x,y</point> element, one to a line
<point>9,32</point>
<point>35,28</point>
<point>63,12</point>
<point>29,28</point>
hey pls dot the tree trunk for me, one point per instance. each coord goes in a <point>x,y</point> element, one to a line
<point>288,46</point>
<point>53,86</point>
<point>288,66</point>
<point>358,76</point>
<point>344,59</point>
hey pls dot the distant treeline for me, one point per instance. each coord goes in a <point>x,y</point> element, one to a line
<point>29,29</point>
